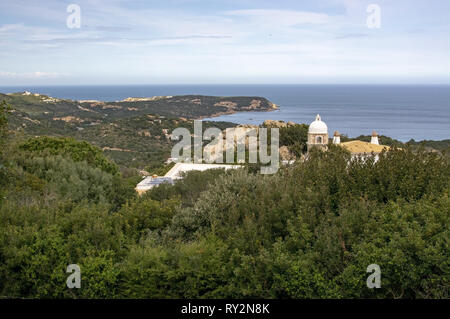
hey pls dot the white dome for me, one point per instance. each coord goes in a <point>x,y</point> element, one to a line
<point>318,127</point>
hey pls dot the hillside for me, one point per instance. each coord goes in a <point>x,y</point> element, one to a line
<point>307,231</point>
<point>86,112</point>
<point>133,132</point>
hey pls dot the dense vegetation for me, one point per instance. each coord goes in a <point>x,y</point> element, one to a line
<point>309,231</point>
<point>132,134</point>
<point>295,138</point>
<point>443,145</point>
<point>42,107</point>
<point>140,141</point>
<point>77,151</point>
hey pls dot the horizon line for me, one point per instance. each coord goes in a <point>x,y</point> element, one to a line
<point>232,84</point>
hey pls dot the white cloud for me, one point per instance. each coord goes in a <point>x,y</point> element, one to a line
<point>281,17</point>
<point>179,41</point>
<point>32,75</point>
<point>11,27</point>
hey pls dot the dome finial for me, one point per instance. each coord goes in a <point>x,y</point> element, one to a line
<point>318,126</point>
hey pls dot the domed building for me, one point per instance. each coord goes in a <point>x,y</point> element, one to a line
<point>317,134</point>
<point>318,137</point>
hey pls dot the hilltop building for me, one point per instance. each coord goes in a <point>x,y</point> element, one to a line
<point>374,139</point>
<point>363,148</point>
<point>318,137</point>
<point>336,138</point>
<point>175,173</point>
<point>151,181</point>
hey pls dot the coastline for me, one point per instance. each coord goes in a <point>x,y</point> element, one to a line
<point>230,112</point>
<point>402,112</point>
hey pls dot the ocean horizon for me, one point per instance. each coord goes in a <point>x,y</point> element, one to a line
<point>403,112</point>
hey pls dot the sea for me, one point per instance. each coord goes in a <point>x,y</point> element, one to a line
<point>403,112</point>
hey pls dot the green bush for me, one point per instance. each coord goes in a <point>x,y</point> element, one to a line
<point>309,231</point>
<point>76,150</point>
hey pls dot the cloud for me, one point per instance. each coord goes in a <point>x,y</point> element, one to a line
<point>99,38</point>
<point>281,17</point>
<point>32,75</point>
<point>185,39</point>
<point>107,28</point>
<point>352,36</point>
<point>11,27</point>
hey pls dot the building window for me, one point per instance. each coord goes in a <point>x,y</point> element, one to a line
<point>319,139</point>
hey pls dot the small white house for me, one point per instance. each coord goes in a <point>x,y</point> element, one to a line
<point>179,168</point>
<point>151,181</point>
<point>176,173</point>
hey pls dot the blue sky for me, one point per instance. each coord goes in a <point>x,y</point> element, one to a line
<point>224,41</point>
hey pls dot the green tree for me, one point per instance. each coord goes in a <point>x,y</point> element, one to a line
<point>295,138</point>
<point>4,109</point>
<point>76,150</point>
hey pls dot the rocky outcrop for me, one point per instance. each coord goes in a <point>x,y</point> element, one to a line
<point>285,154</point>
<point>277,124</point>
<point>143,99</point>
<point>228,104</point>
<point>69,119</point>
<point>116,149</point>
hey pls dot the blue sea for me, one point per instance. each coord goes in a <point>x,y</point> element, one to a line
<point>402,112</point>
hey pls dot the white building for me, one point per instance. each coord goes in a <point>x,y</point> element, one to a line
<point>151,181</point>
<point>175,173</point>
<point>336,138</point>
<point>318,137</point>
<point>180,168</point>
<point>317,134</point>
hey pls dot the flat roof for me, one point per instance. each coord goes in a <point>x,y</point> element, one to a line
<point>359,147</point>
<point>179,168</point>
<point>152,181</point>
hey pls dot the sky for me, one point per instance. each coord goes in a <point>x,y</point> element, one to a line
<point>225,42</point>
